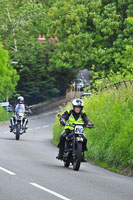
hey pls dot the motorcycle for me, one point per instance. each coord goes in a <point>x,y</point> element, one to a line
<point>19,122</point>
<point>19,126</point>
<point>73,151</point>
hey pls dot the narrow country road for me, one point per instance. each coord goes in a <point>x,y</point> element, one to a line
<point>29,169</point>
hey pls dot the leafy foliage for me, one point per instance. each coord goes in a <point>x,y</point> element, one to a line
<point>8,75</point>
<point>94,34</point>
<point>111,141</point>
<point>36,82</point>
<point>4,116</point>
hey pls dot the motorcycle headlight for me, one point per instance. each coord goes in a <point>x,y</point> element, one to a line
<point>79,129</point>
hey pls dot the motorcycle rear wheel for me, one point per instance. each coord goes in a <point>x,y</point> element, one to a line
<point>77,161</point>
<point>18,128</point>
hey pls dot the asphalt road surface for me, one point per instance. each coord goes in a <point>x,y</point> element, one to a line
<point>29,169</point>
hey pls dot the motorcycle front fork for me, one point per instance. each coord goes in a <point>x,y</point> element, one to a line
<point>25,123</point>
<point>74,153</point>
<point>11,122</point>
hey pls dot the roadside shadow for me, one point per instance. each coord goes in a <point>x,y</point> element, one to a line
<point>61,167</point>
<point>3,138</point>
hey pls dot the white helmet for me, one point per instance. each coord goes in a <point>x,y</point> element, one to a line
<point>20,99</point>
<point>77,103</point>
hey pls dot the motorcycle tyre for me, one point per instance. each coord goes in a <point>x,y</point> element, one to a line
<point>77,161</point>
<point>18,128</point>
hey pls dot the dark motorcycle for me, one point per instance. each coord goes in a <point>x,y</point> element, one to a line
<point>73,151</point>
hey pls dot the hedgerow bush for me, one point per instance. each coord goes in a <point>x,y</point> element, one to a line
<point>111,141</point>
<point>4,115</point>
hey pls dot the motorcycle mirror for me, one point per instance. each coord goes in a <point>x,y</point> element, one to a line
<point>59,115</point>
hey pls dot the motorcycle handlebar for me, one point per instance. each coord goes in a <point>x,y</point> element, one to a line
<point>59,115</point>
<point>84,125</point>
<point>89,126</point>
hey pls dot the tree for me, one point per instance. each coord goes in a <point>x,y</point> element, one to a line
<point>36,83</point>
<point>8,75</point>
<point>92,34</point>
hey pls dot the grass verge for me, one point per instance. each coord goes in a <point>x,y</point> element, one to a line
<point>110,143</point>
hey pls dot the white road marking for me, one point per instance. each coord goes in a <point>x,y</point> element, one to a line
<point>37,127</point>
<point>49,191</point>
<point>45,126</point>
<point>5,132</point>
<point>30,129</point>
<point>42,127</point>
<point>7,171</point>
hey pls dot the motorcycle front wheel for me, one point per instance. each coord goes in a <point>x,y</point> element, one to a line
<point>66,163</point>
<point>78,157</point>
<point>18,128</point>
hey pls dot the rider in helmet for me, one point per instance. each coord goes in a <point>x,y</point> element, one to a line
<point>24,108</point>
<point>75,115</point>
<point>20,100</point>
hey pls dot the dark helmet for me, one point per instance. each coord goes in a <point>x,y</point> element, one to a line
<point>77,103</point>
<point>20,99</point>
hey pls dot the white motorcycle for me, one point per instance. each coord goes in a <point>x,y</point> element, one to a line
<point>18,123</point>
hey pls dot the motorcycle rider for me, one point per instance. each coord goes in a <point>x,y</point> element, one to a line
<point>75,115</point>
<point>20,107</point>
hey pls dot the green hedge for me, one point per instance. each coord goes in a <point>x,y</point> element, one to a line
<point>4,115</point>
<point>110,143</point>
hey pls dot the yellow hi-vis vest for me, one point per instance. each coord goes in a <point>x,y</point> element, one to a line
<point>72,120</point>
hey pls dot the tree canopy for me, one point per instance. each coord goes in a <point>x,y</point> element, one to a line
<point>92,34</point>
